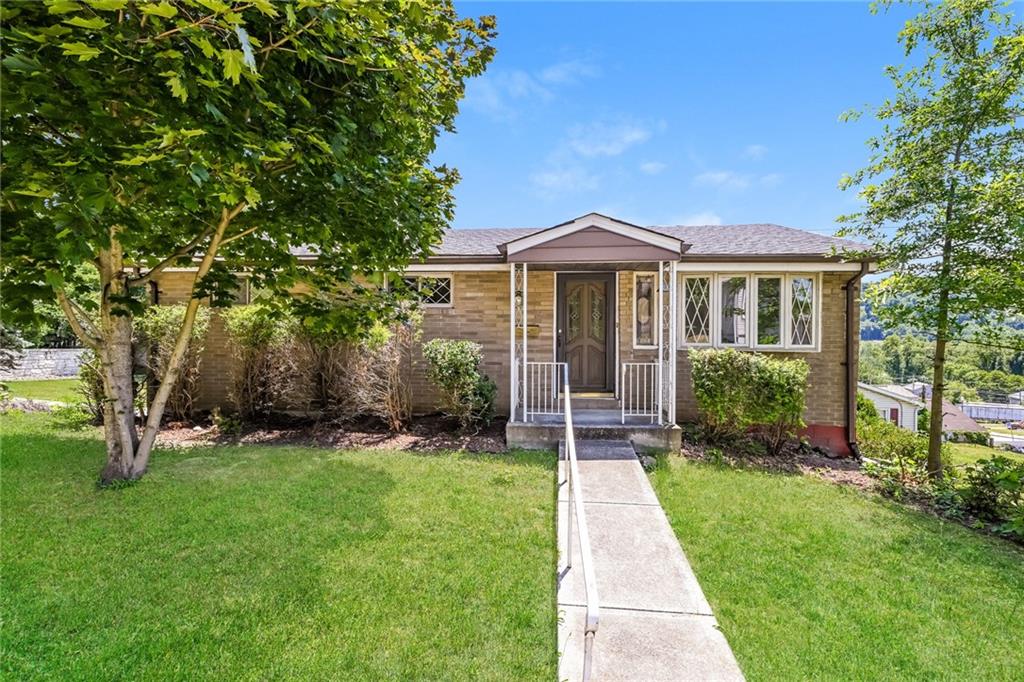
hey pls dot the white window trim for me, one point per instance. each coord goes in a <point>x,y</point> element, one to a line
<point>752,282</point>
<point>419,276</point>
<point>654,310</point>
<point>783,306</point>
<point>718,309</point>
<point>681,313</point>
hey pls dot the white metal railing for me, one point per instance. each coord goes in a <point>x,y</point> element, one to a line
<point>545,390</point>
<point>575,503</point>
<point>640,386</point>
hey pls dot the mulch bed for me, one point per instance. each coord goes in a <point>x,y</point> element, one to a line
<point>428,433</point>
<point>793,460</point>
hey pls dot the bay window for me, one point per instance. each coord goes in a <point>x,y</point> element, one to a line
<point>769,311</point>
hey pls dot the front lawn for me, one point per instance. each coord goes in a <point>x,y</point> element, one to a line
<point>274,562</point>
<point>968,453</point>
<point>61,390</point>
<point>810,580</point>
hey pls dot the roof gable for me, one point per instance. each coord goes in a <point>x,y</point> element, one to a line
<point>596,231</point>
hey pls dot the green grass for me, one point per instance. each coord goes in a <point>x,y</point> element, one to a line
<point>62,390</point>
<point>966,453</point>
<point>274,562</point>
<point>810,580</point>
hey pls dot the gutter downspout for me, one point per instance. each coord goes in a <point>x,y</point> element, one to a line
<point>852,333</point>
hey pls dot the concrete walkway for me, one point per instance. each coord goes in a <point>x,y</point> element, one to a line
<point>655,622</point>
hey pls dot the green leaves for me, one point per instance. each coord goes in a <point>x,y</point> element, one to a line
<point>81,50</point>
<point>163,9</point>
<point>233,60</point>
<point>93,23</point>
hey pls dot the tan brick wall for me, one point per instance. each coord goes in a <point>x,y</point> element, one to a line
<point>480,312</point>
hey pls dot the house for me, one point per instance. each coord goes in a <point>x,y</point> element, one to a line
<point>894,403</point>
<point>619,305</point>
<point>954,419</point>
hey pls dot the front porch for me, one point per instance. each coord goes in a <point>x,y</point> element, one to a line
<point>606,294</point>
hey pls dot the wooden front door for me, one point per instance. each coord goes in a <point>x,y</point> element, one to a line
<point>586,330</point>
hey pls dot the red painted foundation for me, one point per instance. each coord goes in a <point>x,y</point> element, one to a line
<point>831,437</point>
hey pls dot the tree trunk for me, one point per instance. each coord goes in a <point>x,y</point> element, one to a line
<point>939,366</point>
<point>128,452</point>
<point>935,417</point>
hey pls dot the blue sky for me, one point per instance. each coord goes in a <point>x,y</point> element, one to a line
<point>670,113</point>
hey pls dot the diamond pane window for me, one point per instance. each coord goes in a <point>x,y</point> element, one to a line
<point>733,311</point>
<point>436,291</point>
<point>801,325</point>
<point>697,311</point>
<point>644,309</point>
<point>769,311</point>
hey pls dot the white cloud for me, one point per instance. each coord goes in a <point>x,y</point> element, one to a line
<point>771,180</point>
<point>560,179</point>
<point>702,218</point>
<point>755,151</point>
<point>497,93</point>
<point>724,179</point>
<point>571,71</point>
<point>652,167</point>
<point>606,139</point>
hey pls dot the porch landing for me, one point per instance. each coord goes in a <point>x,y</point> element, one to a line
<point>655,623</point>
<point>545,432</point>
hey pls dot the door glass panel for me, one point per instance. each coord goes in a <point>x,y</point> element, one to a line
<point>597,314</point>
<point>734,311</point>
<point>572,308</point>
<point>769,311</point>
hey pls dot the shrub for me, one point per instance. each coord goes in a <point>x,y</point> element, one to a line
<point>973,437</point>
<point>71,417</point>
<point>90,386</point>
<point>994,490</point>
<point>454,367</point>
<point>259,379</point>
<point>924,420</point>
<point>865,408</point>
<point>351,378</point>
<point>159,328</point>
<point>895,456</point>
<point>737,392</point>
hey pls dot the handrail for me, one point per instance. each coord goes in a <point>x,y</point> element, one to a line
<point>586,556</point>
<point>545,391</point>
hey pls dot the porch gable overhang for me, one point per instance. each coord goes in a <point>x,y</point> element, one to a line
<point>593,238</point>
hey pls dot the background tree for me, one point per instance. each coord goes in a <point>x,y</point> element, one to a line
<point>944,189</point>
<point>219,135</point>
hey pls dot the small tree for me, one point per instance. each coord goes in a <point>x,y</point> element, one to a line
<point>944,190</point>
<point>219,135</point>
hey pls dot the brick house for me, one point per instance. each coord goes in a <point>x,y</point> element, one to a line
<point>619,305</point>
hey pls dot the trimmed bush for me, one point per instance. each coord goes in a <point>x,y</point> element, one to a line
<point>454,367</point>
<point>738,392</point>
<point>973,437</point>
<point>159,328</point>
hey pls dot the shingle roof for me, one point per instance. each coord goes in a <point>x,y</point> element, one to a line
<point>703,240</point>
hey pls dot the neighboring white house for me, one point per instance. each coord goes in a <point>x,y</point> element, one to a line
<point>894,403</point>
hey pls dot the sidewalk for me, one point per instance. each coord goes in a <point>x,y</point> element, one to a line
<point>655,622</point>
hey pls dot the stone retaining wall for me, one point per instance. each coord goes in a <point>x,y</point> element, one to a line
<point>46,363</point>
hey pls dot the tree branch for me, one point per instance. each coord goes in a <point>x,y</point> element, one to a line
<point>243,233</point>
<point>77,325</point>
<point>183,251</point>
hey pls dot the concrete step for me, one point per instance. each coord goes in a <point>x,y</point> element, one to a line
<point>595,403</point>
